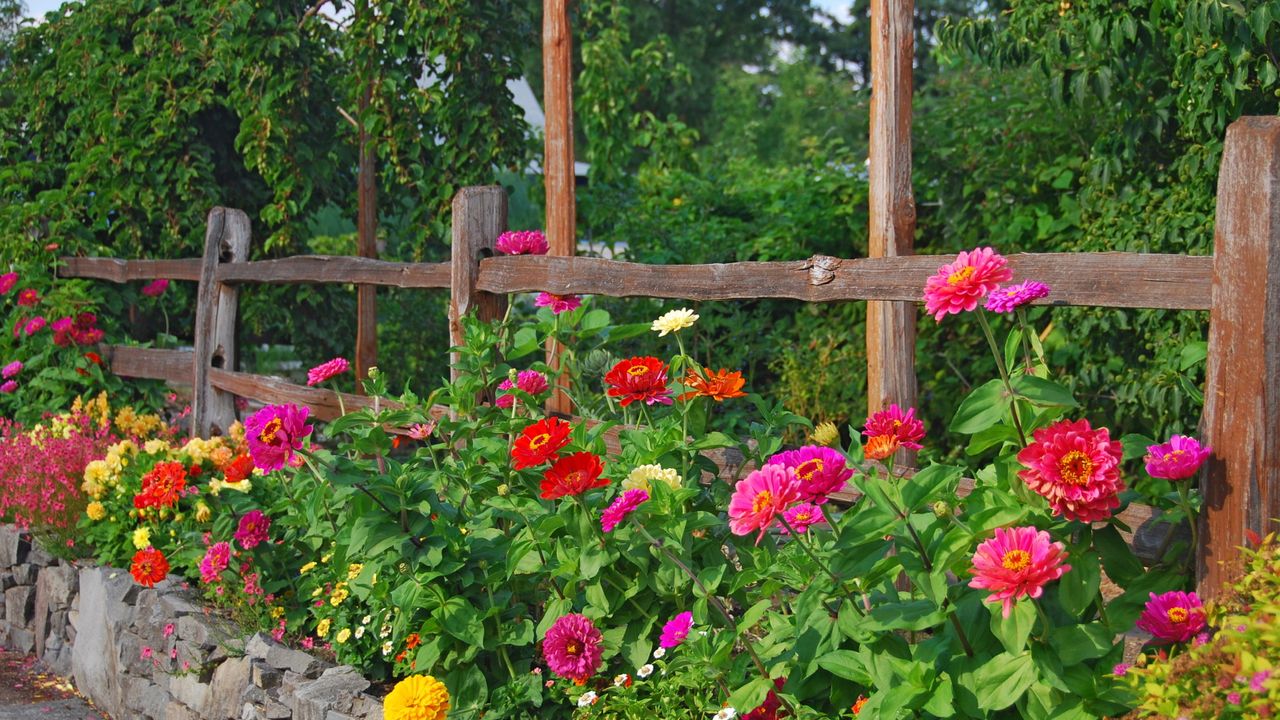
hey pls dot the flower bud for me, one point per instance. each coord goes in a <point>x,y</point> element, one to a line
<point>373,372</point>
<point>504,490</point>
<point>942,509</point>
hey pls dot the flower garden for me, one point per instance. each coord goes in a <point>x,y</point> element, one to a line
<point>496,561</point>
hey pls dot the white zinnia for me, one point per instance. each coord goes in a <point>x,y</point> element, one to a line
<point>674,321</point>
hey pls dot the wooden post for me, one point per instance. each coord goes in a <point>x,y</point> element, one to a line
<point>557,73</point>
<point>891,326</point>
<point>366,351</point>
<point>226,240</point>
<point>1242,381</point>
<point>479,216</point>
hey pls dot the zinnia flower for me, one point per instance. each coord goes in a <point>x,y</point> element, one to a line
<point>162,486</point>
<point>1011,297</point>
<point>642,475</point>
<point>825,433</point>
<point>422,431</point>
<point>880,447</point>
<point>1018,562</point>
<point>11,369</point>
<point>1178,459</point>
<point>1173,616</point>
<point>572,647</point>
<point>676,630</point>
<point>1075,468</point>
<point>253,529</point>
<point>588,699</point>
<point>155,288</point>
<point>215,560</point>
<point>718,386</point>
<point>35,325</point>
<point>801,516</point>
<point>639,379</point>
<point>8,386</point>
<point>759,498</point>
<point>28,297</point>
<point>522,242</point>
<point>142,538</point>
<point>326,370</point>
<point>768,710</point>
<point>274,433</point>
<point>149,567</point>
<point>674,321</point>
<point>530,381</point>
<point>95,510</point>
<point>573,475</point>
<point>558,303</point>
<point>7,281</point>
<point>819,470</point>
<point>857,705</point>
<point>539,443</point>
<point>903,426</point>
<point>958,286</point>
<point>621,507</point>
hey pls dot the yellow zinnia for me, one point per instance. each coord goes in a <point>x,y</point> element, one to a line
<point>141,538</point>
<point>203,513</point>
<point>640,478</point>
<point>342,635</point>
<point>322,628</point>
<point>674,321</point>
<point>353,570</point>
<point>95,511</point>
<point>417,697</point>
<point>340,594</point>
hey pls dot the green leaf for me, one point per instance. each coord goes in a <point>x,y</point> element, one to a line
<point>752,616</point>
<point>911,615</point>
<point>981,409</point>
<point>1077,643</point>
<point>1003,679</point>
<point>1012,631</point>
<point>1079,586</point>
<point>845,664</point>
<point>1117,557</point>
<point>752,694</point>
<point>1043,392</point>
<point>931,482</point>
<point>459,619</point>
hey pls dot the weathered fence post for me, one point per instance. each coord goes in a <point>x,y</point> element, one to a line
<point>226,240</point>
<point>558,171</point>
<point>1242,380</point>
<point>479,216</point>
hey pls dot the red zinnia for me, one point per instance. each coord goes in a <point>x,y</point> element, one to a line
<point>539,443</point>
<point>238,469</point>
<point>573,475</point>
<point>639,379</point>
<point>1075,468</point>
<point>149,566</point>
<point>162,486</point>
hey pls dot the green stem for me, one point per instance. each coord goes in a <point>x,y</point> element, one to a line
<point>537,545</point>
<point>684,413</point>
<point>818,561</point>
<point>1026,340</point>
<point>831,521</point>
<point>324,503</point>
<point>1004,375</point>
<point>1184,500</point>
<point>1044,620</point>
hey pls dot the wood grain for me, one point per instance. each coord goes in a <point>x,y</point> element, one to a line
<point>226,242</point>
<point>366,351</point>
<point>321,269</point>
<point>122,271</point>
<point>559,178</point>
<point>479,216</point>
<point>1241,419</point>
<point>1124,280</point>
<point>271,390</point>
<point>173,366</point>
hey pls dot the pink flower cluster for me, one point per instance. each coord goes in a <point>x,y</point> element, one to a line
<point>522,242</point>
<point>41,477</point>
<point>82,330</point>
<point>327,370</point>
<point>530,381</point>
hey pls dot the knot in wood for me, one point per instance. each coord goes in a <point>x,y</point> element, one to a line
<point>822,269</point>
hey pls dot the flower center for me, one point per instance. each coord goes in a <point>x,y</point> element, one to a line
<point>763,500</point>
<point>574,477</point>
<point>270,430</point>
<point>809,468</point>
<point>538,441</point>
<point>960,275</point>
<point>1076,468</point>
<point>801,517</point>
<point>637,370</point>
<point>572,648</point>
<point>1016,560</point>
<point>1172,456</point>
<point>1177,614</point>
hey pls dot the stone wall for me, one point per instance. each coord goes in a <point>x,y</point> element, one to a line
<point>158,653</point>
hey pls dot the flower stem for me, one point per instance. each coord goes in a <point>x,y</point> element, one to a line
<point>1184,500</point>
<point>1004,375</point>
<point>818,561</point>
<point>1026,339</point>
<point>1044,620</point>
<point>831,521</point>
<point>537,545</point>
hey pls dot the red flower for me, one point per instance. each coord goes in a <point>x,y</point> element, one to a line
<point>93,357</point>
<point>718,386</point>
<point>238,469</point>
<point>573,475</point>
<point>28,297</point>
<point>639,379</point>
<point>162,486</point>
<point>149,567</point>
<point>540,443</point>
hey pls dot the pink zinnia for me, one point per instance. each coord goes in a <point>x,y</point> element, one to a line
<point>422,431</point>
<point>1173,616</point>
<point>11,369</point>
<point>35,325</point>
<point>558,303</point>
<point>326,370</point>
<point>1075,468</point>
<point>274,433</point>
<point>7,281</point>
<point>1011,297</point>
<point>155,288</point>
<point>215,560</point>
<point>621,507</point>
<point>530,381</point>
<point>801,516</point>
<point>572,647</point>
<point>676,630</point>
<point>1017,563</point>
<point>28,297</point>
<point>8,387</point>
<point>522,242</point>
<point>958,286</point>
<point>904,426</point>
<point>1178,459</point>
<point>759,498</point>
<point>253,529</point>
<point>819,470</point>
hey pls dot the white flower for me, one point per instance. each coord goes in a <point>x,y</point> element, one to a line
<point>359,632</point>
<point>726,713</point>
<point>385,631</point>
<point>703,633</point>
<point>365,620</point>
<point>387,647</point>
<point>620,680</point>
<point>674,321</point>
<point>659,653</point>
<point>645,670</point>
<point>588,698</point>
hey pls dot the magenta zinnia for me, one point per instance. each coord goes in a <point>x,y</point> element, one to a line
<point>11,369</point>
<point>530,381</point>
<point>215,560</point>
<point>676,630</point>
<point>1009,298</point>
<point>1178,459</point>
<point>572,648</point>
<point>155,288</point>
<point>1075,468</point>
<point>1173,616</point>
<point>758,499</point>
<point>1018,562</point>
<point>326,370</point>
<point>621,507</point>
<point>253,529</point>
<point>7,281</point>
<point>274,433</point>
<point>521,242</point>
<point>904,427</point>
<point>801,516</point>
<point>958,286</point>
<point>819,470</point>
<point>558,303</point>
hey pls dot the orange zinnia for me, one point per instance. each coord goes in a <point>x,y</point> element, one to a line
<point>718,386</point>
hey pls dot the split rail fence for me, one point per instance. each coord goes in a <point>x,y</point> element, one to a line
<point>1239,286</point>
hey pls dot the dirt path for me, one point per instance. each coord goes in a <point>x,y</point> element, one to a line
<point>29,693</point>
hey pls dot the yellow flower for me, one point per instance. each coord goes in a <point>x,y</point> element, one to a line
<point>277,612</point>
<point>353,570</point>
<point>677,201</point>
<point>340,594</point>
<point>640,478</point>
<point>95,511</point>
<point>342,635</point>
<point>417,697</point>
<point>326,557</point>
<point>243,486</point>
<point>203,513</point>
<point>236,432</point>
<point>155,447</point>
<point>826,434</point>
<point>674,321</point>
<point>307,568</point>
<point>322,628</point>
<point>141,538</point>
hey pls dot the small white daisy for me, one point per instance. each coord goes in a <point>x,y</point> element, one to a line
<point>659,653</point>
<point>726,713</point>
<point>588,698</point>
<point>620,680</point>
<point>387,647</point>
<point>645,670</point>
<point>359,632</point>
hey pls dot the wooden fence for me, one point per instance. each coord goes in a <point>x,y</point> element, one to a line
<point>1239,285</point>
